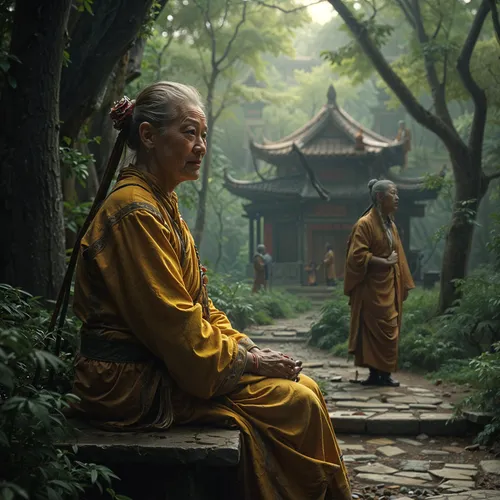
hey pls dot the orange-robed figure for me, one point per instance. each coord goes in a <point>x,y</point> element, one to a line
<point>377,280</point>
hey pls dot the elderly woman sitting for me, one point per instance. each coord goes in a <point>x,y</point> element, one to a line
<point>154,349</point>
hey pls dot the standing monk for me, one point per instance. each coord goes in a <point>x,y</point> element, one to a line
<point>329,262</point>
<point>377,281</point>
<point>259,270</point>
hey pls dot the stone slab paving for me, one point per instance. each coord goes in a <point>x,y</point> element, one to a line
<point>415,418</point>
<point>470,495</point>
<point>417,406</point>
<point>375,476</point>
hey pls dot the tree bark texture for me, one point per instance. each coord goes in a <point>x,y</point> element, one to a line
<point>101,124</point>
<point>97,43</point>
<point>31,217</point>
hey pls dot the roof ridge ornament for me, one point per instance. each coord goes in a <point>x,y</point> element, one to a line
<point>331,95</point>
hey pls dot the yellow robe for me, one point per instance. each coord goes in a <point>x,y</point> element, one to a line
<point>376,294</point>
<point>137,281</point>
<point>329,262</point>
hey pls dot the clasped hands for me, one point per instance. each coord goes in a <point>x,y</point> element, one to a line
<point>390,261</point>
<point>272,364</point>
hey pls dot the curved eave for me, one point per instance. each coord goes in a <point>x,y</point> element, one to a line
<point>282,189</point>
<point>307,136</point>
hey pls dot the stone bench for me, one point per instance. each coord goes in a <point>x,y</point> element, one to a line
<point>182,463</point>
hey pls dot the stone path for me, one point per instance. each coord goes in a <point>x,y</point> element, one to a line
<point>398,443</point>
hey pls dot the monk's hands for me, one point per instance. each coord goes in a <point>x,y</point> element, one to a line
<point>392,260</point>
<point>273,364</point>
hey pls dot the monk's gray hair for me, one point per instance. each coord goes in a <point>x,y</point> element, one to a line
<point>378,186</point>
<point>161,104</point>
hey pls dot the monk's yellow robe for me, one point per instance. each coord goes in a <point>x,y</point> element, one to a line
<point>376,293</point>
<point>137,293</point>
<point>329,262</point>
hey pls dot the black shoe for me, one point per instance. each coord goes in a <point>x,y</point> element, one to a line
<point>387,381</point>
<point>373,378</point>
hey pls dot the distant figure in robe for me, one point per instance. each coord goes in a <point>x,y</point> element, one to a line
<point>404,136</point>
<point>310,270</point>
<point>268,263</point>
<point>259,269</point>
<point>329,263</point>
<point>377,280</point>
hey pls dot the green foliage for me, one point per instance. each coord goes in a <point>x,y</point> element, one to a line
<point>485,379</point>
<point>75,214</point>
<point>332,329</point>
<point>32,420</point>
<point>244,308</point>
<point>474,321</point>
<point>85,6</point>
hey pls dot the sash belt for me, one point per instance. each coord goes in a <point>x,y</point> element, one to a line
<point>94,347</point>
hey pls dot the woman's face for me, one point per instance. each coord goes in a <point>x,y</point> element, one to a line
<point>390,200</point>
<point>178,152</point>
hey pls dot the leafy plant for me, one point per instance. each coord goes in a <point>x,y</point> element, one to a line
<point>485,370</point>
<point>32,420</point>
<point>332,328</point>
<point>244,308</point>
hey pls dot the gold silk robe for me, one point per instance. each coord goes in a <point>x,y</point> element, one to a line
<point>137,282</point>
<point>376,293</point>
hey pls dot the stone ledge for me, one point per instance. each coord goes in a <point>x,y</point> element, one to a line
<point>176,446</point>
<point>393,424</point>
<point>441,424</point>
<point>432,424</point>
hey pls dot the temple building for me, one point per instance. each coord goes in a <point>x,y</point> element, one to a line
<point>320,189</point>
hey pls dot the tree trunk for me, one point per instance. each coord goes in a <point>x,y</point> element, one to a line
<point>468,191</point>
<point>101,124</point>
<point>201,213</point>
<point>97,43</point>
<point>30,184</point>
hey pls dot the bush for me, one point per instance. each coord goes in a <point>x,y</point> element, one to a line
<point>485,370</point>
<point>32,419</point>
<point>332,328</point>
<point>243,308</point>
<point>474,321</point>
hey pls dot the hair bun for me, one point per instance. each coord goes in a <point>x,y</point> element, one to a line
<point>371,184</point>
<point>121,112</point>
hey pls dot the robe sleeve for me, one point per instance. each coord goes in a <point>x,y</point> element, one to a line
<point>358,256</point>
<point>146,283</point>
<point>221,321</point>
<point>407,282</point>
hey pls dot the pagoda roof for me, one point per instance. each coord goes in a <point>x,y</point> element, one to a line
<point>299,188</point>
<point>331,133</point>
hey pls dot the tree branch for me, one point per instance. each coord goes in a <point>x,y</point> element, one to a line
<point>209,28</point>
<point>160,54</point>
<point>204,67</point>
<point>434,123</point>
<point>405,8</point>
<point>437,88</point>
<point>234,35</point>
<point>287,11</point>
<point>477,93</point>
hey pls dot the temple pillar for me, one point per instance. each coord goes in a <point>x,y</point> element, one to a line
<point>404,230</point>
<point>251,241</point>
<point>301,242</point>
<point>259,229</point>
